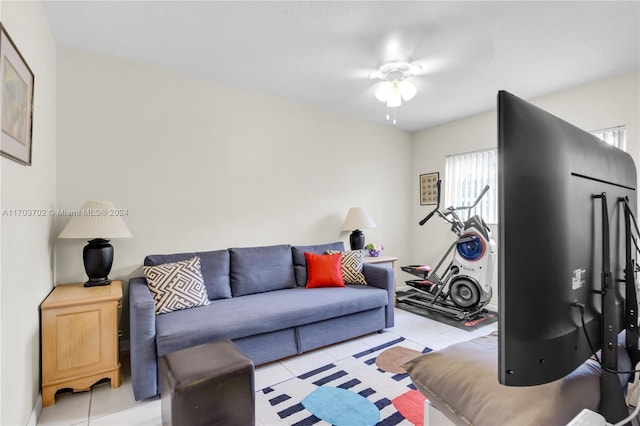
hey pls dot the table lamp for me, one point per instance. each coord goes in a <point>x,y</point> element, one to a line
<point>356,220</point>
<point>97,221</point>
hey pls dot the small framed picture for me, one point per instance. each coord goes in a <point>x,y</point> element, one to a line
<point>16,95</point>
<point>429,188</point>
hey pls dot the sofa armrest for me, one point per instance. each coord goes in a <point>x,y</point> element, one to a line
<point>144,360</point>
<point>382,277</point>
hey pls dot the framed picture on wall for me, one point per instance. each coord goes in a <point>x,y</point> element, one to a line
<point>429,188</point>
<point>16,97</point>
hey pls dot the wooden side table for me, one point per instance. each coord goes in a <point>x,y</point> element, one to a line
<point>386,259</point>
<point>79,332</point>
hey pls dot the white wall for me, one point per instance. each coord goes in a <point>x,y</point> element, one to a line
<point>27,252</point>
<point>598,105</point>
<point>201,166</point>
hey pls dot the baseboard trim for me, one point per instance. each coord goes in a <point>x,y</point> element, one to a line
<point>37,410</point>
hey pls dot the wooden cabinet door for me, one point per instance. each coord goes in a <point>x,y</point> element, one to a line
<point>78,340</point>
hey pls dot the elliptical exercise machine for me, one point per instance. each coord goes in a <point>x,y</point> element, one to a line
<point>465,287</point>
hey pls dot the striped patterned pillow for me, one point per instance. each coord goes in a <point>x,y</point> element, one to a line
<point>177,285</point>
<point>352,262</point>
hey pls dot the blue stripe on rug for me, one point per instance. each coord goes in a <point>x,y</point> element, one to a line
<point>291,410</point>
<point>311,420</point>
<point>330,378</point>
<point>316,371</point>
<point>399,377</point>
<point>350,384</point>
<point>392,420</point>
<point>366,392</point>
<point>382,403</point>
<point>278,399</point>
<point>377,348</point>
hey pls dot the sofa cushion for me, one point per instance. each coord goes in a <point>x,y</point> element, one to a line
<point>176,286</point>
<point>260,269</point>
<point>262,313</point>
<point>299,262</point>
<point>324,270</point>
<point>352,264</point>
<point>214,266</point>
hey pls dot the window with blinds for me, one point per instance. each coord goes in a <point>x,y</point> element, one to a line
<point>467,174</point>
<point>616,136</point>
<point>465,177</point>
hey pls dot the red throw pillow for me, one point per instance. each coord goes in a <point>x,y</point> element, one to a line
<point>324,270</point>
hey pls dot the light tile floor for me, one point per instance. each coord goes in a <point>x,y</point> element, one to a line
<point>105,406</point>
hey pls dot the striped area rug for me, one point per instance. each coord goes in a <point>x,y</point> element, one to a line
<point>355,391</point>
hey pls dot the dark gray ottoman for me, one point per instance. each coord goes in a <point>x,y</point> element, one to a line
<point>210,384</point>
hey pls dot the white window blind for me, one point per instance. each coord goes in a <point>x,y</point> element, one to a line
<point>465,177</point>
<point>616,136</point>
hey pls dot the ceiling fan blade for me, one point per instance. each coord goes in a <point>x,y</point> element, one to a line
<point>398,46</point>
<point>447,51</point>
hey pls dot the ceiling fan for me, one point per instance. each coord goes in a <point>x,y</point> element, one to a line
<point>395,85</point>
<point>410,55</point>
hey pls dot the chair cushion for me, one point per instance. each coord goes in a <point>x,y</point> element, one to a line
<point>260,269</point>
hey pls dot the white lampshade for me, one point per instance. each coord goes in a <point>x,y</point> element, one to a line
<point>407,90</point>
<point>394,99</point>
<point>96,219</point>
<point>394,92</point>
<point>357,218</point>
<point>383,91</point>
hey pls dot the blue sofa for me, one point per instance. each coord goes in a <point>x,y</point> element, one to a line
<point>260,302</point>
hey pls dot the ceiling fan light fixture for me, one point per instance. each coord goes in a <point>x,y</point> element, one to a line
<point>395,86</point>
<point>407,90</point>
<point>383,91</point>
<point>395,98</point>
<point>394,102</point>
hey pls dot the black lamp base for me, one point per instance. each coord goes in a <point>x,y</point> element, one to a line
<point>98,258</point>
<point>95,283</point>
<point>356,240</point>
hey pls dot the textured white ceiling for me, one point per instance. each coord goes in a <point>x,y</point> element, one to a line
<point>320,53</point>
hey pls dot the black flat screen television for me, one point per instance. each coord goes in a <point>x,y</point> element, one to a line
<point>559,188</point>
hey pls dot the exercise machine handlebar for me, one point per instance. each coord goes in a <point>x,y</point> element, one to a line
<point>423,221</point>
<point>475,203</point>
<point>451,210</point>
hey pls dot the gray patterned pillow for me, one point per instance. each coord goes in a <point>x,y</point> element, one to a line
<point>352,262</point>
<point>177,285</point>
